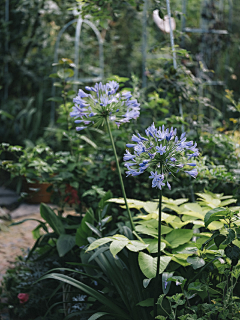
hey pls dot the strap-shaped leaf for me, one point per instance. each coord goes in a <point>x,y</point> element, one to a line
<point>97,315</point>
<point>90,291</point>
<point>52,219</point>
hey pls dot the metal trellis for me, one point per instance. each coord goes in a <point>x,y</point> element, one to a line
<point>100,77</point>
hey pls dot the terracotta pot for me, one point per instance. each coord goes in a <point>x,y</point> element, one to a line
<point>37,192</point>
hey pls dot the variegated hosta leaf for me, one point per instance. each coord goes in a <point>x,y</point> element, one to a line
<point>193,214</point>
<point>118,242</point>
<point>165,217</point>
<point>215,200</point>
<point>132,203</point>
<point>176,202</point>
<point>194,207</point>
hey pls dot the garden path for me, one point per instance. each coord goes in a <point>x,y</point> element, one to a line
<point>15,238</point>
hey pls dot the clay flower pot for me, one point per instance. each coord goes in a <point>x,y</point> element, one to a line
<point>37,192</point>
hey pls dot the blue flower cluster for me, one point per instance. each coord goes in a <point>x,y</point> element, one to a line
<point>161,153</point>
<point>102,102</point>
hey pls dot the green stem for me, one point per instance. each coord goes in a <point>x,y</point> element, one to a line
<point>157,278</point>
<point>120,175</point>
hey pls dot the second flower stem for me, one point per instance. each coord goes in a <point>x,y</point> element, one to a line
<point>119,173</point>
<point>159,254</point>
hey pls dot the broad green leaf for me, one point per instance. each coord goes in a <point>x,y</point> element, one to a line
<point>230,237</point>
<point>177,223</point>
<point>219,239</point>
<point>119,237</point>
<point>153,245</point>
<point>65,243</point>
<point>177,279</point>
<point>178,237</point>
<point>148,217</point>
<point>146,282</point>
<point>151,231</point>
<point>215,235</point>
<point>116,246</point>
<point>145,230</point>
<point>180,259</point>
<point>150,223</point>
<point>137,204</point>
<point>165,229</point>
<point>187,248</point>
<point>98,243</point>
<point>83,232</point>
<point>136,246</point>
<point>196,262</point>
<point>173,207</point>
<point>214,214</point>
<point>215,225</point>
<point>222,285</point>
<point>198,223</point>
<point>176,202</point>
<point>148,264</point>
<point>194,207</point>
<point>227,202</point>
<point>193,214</point>
<point>168,217</point>
<point>195,286</point>
<point>146,303</point>
<point>65,73</point>
<point>150,206</point>
<point>52,219</point>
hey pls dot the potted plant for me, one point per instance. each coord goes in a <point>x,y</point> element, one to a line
<point>33,167</point>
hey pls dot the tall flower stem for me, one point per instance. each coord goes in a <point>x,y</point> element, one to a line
<point>157,278</point>
<point>119,173</point>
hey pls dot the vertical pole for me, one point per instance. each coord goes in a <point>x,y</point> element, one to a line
<point>77,40</point>
<point>6,51</point>
<point>184,11</point>
<point>174,54</point>
<point>144,44</point>
<point>171,35</point>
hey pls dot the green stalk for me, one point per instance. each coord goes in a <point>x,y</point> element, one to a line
<point>119,174</point>
<point>157,278</point>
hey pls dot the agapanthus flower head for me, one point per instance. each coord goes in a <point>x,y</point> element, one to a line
<point>103,101</point>
<point>162,153</point>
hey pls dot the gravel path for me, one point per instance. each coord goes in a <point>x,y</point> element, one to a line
<point>15,239</point>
